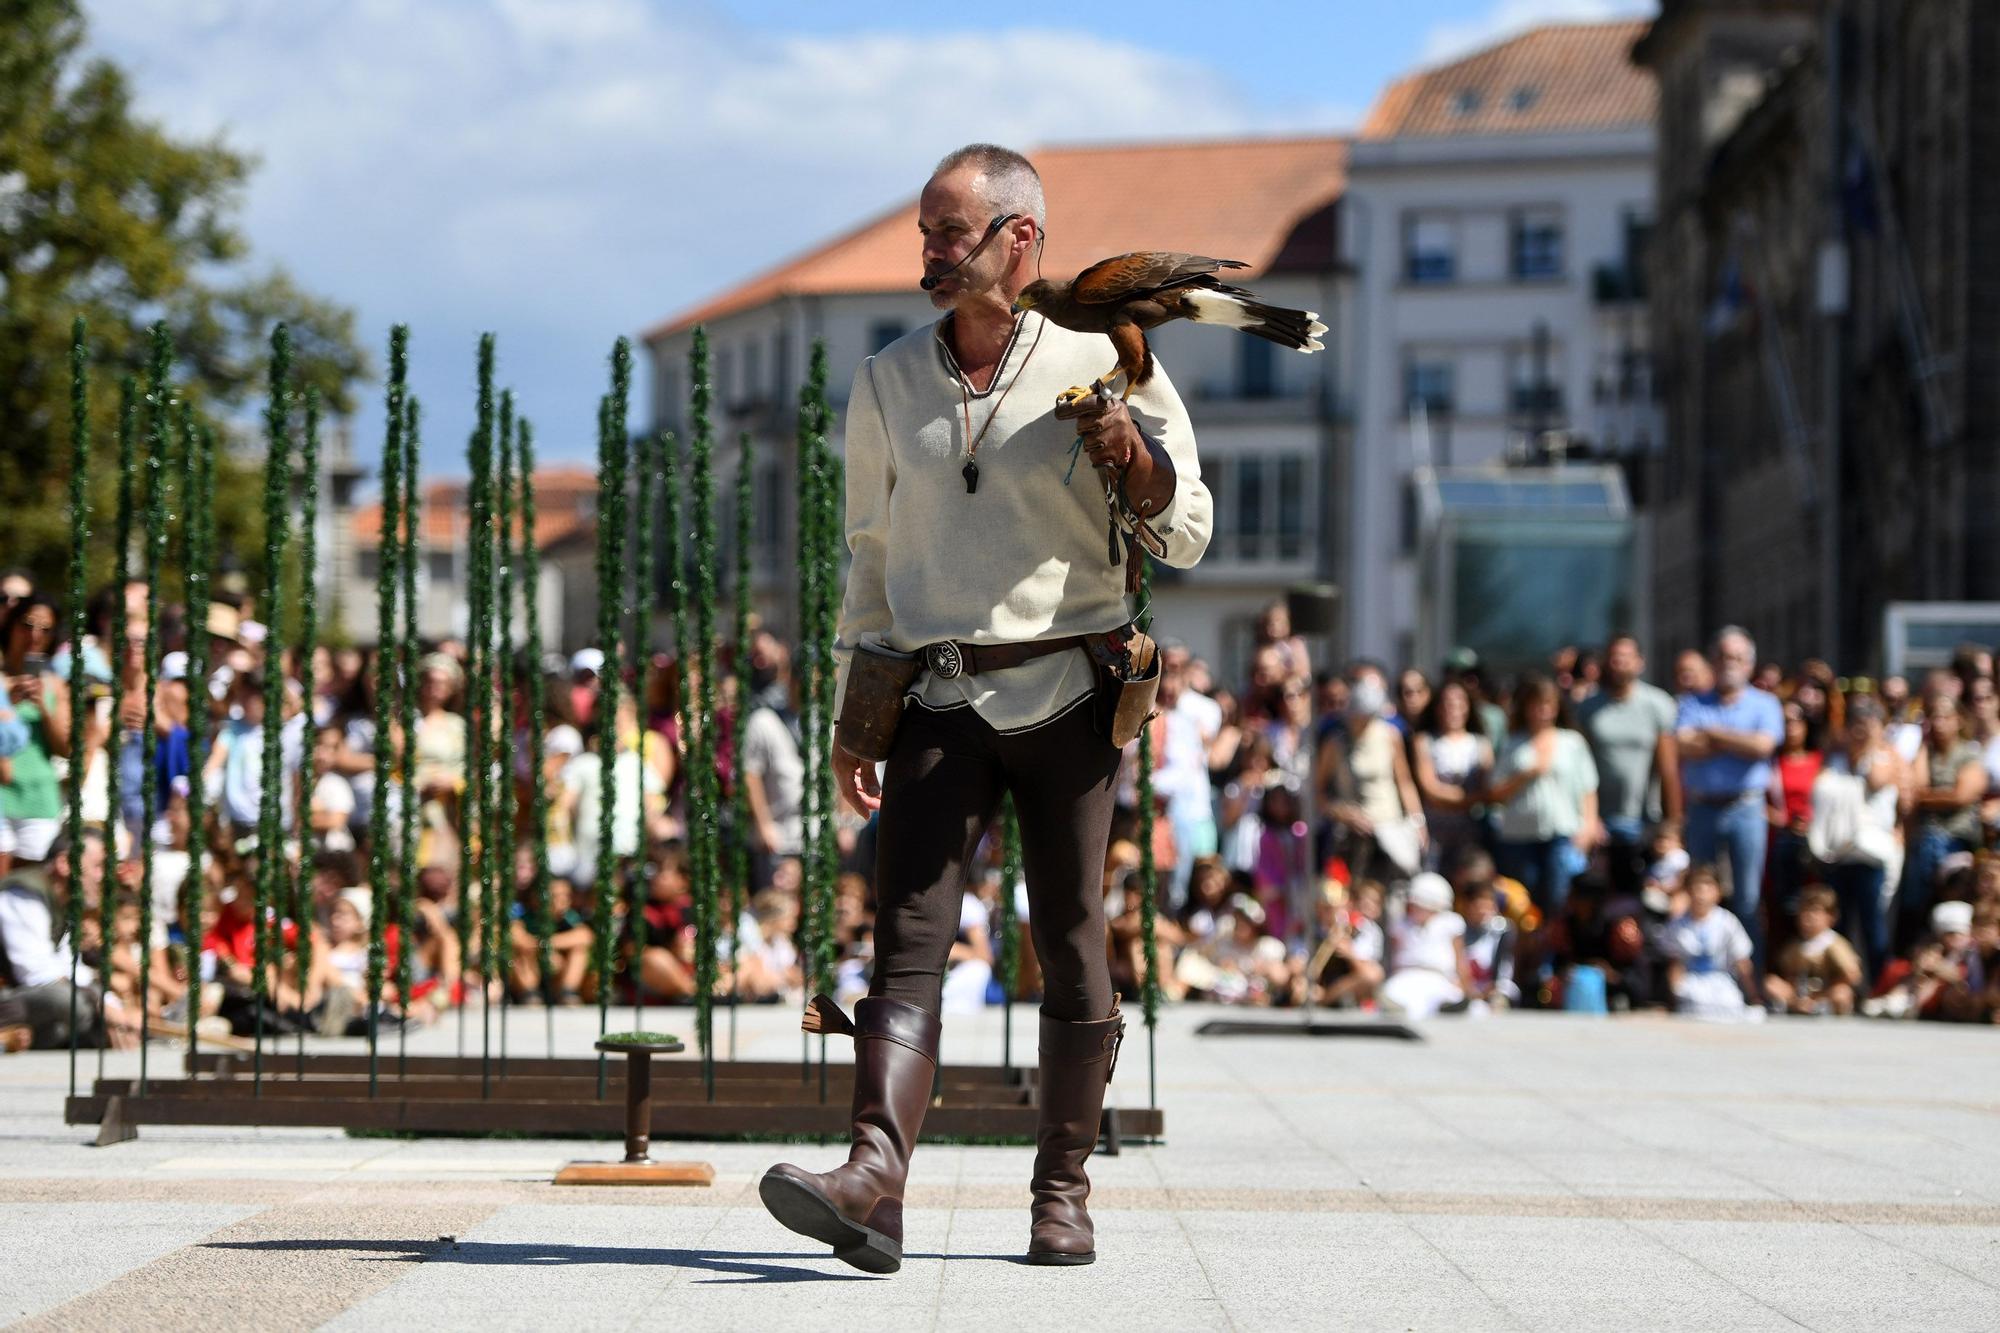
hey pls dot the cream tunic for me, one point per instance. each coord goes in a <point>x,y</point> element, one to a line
<point>1025,557</point>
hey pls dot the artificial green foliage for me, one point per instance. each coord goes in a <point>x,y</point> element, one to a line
<point>388,548</point>
<point>503,807</point>
<point>704,796</point>
<point>611,513</point>
<point>473,855</point>
<point>645,536</point>
<point>412,551</point>
<point>159,430</point>
<point>79,545</point>
<point>199,558</point>
<point>302,871</point>
<point>538,702</point>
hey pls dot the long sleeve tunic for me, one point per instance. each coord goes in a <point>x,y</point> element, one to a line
<point>1025,556</point>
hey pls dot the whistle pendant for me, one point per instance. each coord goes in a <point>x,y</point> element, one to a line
<point>971,474</point>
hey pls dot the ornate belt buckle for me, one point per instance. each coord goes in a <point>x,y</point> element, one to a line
<point>944,660</point>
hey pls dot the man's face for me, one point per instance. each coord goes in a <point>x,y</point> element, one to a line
<point>952,216</point>
<point>1622,663</point>
<point>1735,659</point>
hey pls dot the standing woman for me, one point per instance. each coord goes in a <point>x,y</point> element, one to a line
<point>1858,871</point>
<point>1452,762</point>
<point>1949,780</point>
<point>36,709</point>
<point>1797,765</point>
<point>1546,786</point>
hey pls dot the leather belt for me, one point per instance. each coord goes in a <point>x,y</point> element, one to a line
<point>950,659</point>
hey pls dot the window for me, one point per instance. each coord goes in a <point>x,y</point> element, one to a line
<point>1430,248</point>
<point>1265,507</point>
<point>1538,244</point>
<point>1428,381</point>
<point>1291,507</point>
<point>753,371</point>
<point>438,565</point>
<point>1466,101</point>
<point>883,332</point>
<point>1256,368</point>
<point>1524,97</point>
<point>724,380</point>
<point>1536,383</point>
<point>1249,508</point>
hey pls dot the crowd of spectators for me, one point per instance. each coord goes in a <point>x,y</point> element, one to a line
<point>1754,840</point>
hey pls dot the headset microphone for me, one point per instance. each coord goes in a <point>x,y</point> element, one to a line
<point>931,281</point>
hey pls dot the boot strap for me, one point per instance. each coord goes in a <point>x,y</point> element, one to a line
<point>823,1015</point>
<point>1114,1040</point>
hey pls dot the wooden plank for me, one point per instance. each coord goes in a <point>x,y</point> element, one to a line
<point>459,1088</point>
<point>664,1067</point>
<point>636,1173</point>
<point>719,1119</point>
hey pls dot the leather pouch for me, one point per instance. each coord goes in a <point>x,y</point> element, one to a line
<point>873,704</point>
<point>1128,684</point>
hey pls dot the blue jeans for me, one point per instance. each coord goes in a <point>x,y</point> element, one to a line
<point>1859,888</point>
<point>1928,849</point>
<point>1741,832</point>
<point>1543,869</point>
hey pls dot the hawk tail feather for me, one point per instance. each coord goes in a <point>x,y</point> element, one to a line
<point>1238,309</point>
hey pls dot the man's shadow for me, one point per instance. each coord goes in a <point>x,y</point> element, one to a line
<point>732,1266</point>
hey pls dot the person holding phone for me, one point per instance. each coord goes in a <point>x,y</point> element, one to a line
<point>35,711</point>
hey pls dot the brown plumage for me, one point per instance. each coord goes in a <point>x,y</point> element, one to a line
<point>1125,295</point>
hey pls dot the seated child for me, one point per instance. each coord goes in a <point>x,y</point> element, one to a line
<point>1427,964</point>
<point>1819,972</point>
<point>1489,951</point>
<point>1708,954</point>
<point>1347,970</point>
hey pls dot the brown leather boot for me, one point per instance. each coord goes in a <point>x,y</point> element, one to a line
<point>1076,1067</point>
<point>858,1208</point>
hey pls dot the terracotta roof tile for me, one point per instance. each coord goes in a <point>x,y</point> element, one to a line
<point>557,512</point>
<point>1251,199</point>
<point>1574,76</point>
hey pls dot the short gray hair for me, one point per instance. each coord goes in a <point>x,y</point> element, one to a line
<point>1732,632</point>
<point>1012,183</point>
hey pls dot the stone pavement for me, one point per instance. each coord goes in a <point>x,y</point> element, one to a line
<point>1530,1171</point>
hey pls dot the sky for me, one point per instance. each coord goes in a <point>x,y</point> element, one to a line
<point>565,171</point>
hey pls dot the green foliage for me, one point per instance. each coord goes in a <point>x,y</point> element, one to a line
<point>704,794</point>
<point>277,495</point>
<point>538,702</point>
<point>386,712</point>
<point>105,215</point>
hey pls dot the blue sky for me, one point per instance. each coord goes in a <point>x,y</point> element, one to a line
<point>563,171</point>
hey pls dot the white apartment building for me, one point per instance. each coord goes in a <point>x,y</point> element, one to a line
<point>1494,212</point>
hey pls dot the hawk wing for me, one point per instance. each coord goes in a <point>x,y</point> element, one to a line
<point>1124,276</point>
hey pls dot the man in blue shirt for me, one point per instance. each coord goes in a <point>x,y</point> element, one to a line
<point>1726,737</point>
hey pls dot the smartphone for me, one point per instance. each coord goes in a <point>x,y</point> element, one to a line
<point>35,664</point>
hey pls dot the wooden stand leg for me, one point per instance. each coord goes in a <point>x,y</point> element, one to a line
<point>114,1128</point>
<point>638,1107</point>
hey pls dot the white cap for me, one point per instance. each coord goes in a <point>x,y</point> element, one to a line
<point>361,900</point>
<point>252,632</point>
<point>174,666</point>
<point>1431,891</point>
<point>563,739</point>
<point>588,659</point>
<point>1951,918</point>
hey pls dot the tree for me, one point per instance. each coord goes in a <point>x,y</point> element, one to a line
<point>104,214</point>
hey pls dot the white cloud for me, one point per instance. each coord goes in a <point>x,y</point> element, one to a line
<point>1509,18</point>
<point>564,171</point>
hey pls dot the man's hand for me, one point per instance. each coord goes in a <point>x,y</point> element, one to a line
<point>1109,437</point>
<point>855,780</point>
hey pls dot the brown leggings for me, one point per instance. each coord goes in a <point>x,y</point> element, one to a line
<point>940,789</point>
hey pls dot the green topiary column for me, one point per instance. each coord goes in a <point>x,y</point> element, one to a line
<point>79,625</point>
<point>302,873</point>
<point>406,877</point>
<point>388,558</point>
<point>270,810</point>
<point>739,867</point>
<point>531,577</point>
<point>704,801</point>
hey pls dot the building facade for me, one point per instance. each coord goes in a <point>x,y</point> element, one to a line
<point>1824,301</point>
<point>1496,209</point>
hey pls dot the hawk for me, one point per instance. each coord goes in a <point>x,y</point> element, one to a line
<point>1125,295</point>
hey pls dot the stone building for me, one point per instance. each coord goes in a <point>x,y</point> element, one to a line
<point>1823,288</point>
